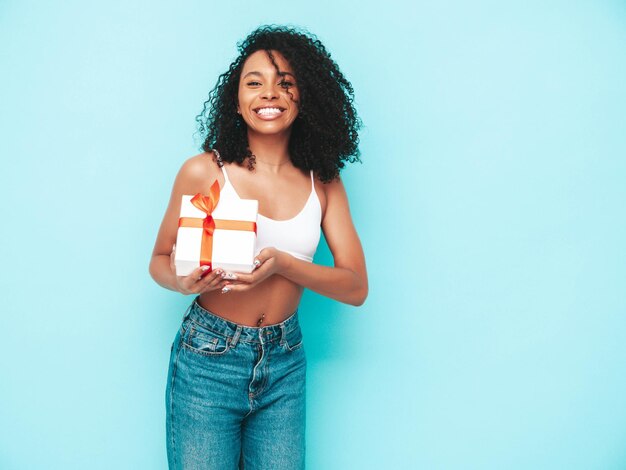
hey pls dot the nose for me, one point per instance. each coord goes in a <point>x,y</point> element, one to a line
<point>270,92</point>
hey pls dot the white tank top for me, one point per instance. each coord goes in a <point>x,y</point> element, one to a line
<point>298,236</point>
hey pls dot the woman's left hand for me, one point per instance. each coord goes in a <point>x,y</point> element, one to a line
<point>268,262</point>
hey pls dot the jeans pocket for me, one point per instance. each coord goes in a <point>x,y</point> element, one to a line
<point>293,340</point>
<point>206,342</point>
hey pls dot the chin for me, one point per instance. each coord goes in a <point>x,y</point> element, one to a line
<point>270,130</point>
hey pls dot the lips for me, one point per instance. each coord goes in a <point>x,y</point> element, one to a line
<point>269,112</point>
<point>268,108</point>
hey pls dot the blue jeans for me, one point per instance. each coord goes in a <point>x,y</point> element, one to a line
<point>235,395</point>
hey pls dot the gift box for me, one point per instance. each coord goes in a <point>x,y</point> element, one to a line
<point>216,233</point>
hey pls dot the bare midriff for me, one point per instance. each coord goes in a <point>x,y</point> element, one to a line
<point>268,303</point>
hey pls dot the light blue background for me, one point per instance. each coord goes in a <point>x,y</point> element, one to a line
<point>490,205</point>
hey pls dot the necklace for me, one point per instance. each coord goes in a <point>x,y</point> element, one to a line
<point>256,159</point>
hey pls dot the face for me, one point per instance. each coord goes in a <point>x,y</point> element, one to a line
<point>264,99</point>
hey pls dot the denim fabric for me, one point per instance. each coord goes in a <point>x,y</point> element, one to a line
<point>235,395</point>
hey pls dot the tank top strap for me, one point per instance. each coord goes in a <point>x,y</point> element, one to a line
<point>223,167</point>
<point>312,180</point>
<point>220,163</point>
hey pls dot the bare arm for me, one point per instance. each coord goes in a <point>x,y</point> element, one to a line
<point>191,178</point>
<point>346,281</point>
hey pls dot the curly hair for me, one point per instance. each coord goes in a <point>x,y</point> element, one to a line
<point>325,132</point>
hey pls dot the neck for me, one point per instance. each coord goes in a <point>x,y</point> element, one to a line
<point>271,150</point>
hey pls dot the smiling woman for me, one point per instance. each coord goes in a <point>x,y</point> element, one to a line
<point>279,126</point>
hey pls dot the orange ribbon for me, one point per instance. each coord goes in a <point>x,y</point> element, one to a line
<point>207,204</point>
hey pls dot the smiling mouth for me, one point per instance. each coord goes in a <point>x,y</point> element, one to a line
<point>269,111</point>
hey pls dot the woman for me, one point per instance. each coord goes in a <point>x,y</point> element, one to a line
<point>279,127</point>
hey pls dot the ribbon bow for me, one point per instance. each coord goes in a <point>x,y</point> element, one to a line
<point>207,204</point>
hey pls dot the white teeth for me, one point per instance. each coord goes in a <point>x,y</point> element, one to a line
<point>269,111</point>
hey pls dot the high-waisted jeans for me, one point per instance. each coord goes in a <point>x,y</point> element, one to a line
<point>235,395</point>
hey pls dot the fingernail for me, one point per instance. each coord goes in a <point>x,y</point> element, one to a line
<point>257,263</point>
<point>231,276</point>
<point>225,290</point>
<point>204,268</point>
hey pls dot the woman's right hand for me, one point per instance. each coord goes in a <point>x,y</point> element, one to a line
<point>198,281</point>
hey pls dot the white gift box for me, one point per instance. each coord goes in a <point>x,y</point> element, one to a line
<point>233,250</point>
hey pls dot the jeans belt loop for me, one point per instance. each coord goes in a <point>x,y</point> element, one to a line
<point>235,338</point>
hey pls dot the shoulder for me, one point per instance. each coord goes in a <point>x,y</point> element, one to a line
<point>198,171</point>
<point>200,166</point>
<point>330,194</point>
<point>331,188</point>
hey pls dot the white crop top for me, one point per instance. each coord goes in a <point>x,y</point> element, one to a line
<point>298,236</point>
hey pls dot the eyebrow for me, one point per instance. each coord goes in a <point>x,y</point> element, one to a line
<point>254,72</point>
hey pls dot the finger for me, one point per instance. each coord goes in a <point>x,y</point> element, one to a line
<point>235,287</point>
<point>207,275</point>
<point>244,278</point>
<point>264,255</point>
<point>258,274</point>
<point>227,287</point>
<point>212,280</point>
<point>214,284</point>
<point>201,272</point>
<point>191,280</point>
<point>245,282</point>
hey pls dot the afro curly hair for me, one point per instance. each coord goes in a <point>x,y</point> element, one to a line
<point>325,133</point>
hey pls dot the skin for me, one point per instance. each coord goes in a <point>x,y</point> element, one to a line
<point>275,287</point>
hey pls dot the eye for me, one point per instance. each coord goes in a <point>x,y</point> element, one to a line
<point>286,84</point>
<point>253,83</point>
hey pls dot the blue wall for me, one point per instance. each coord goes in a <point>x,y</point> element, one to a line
<point>490,205</point>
